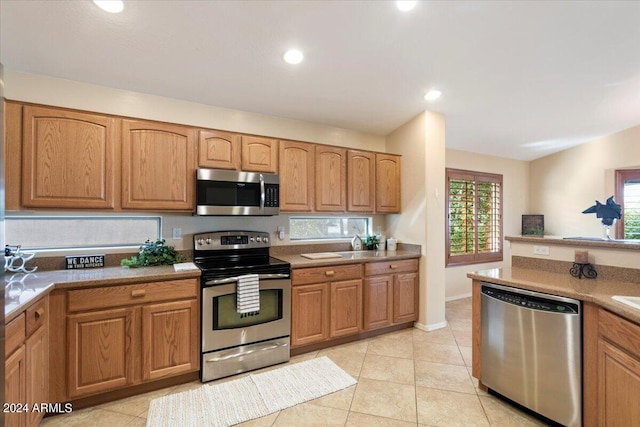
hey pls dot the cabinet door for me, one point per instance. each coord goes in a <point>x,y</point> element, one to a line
<point>37,374</point>
<point>310,314</point>
<point>387,183</point>
<point>618,386</point>
<point>259,154</point>
<point>297,160</point>
<point>378,302</point>
<point>331,179</point>
<point>101,353</point>
<point>361,174</point>
<point>15,387</point>
<point>169,339</point>
<point>158,166</point>
<point>405,298</point>
<point>219,150</point>
<point>68,159</point>
<point>346,307</point>
<point>12,155</point>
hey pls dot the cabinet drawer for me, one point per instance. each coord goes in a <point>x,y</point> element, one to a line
<point>330,273</point>
<point>387,267</point>
<point>15,334</point>
<point>37,315</point>
<point>118,296</point>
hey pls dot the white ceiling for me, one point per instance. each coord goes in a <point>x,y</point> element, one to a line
<point>520,79</point>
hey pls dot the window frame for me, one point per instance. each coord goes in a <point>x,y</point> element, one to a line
<point>622,175</point>
<point>475,257</point>
<point>368,219</point>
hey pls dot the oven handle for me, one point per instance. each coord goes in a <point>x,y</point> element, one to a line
<point>214,282</point>
<point>244,353</point>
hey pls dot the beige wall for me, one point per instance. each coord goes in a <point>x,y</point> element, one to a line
<point>70,94</point>
<point>564,184</point>
<point>515,180</point>
<point>421,142</point>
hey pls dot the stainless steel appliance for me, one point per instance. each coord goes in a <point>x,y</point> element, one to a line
<point>223,192</point>
<point>531,350</point>
<point>234,342</point>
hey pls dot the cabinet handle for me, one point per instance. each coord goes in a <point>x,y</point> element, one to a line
<point>38,313</point>
<point>329,273</point>
<point>138,293</point>
<point>393,266</point>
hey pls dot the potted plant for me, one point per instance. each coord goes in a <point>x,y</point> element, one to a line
<point>153,253</point>
<point>371,242</point>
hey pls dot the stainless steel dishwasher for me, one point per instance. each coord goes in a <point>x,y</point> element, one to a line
<point>531,350</point>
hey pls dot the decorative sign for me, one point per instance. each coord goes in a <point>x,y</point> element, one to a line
<point>533,225</point>
<point>73,262</point>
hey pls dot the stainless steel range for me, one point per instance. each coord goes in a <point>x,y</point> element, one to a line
<point>235,340</point>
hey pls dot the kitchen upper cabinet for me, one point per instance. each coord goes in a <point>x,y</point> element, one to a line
<point>331,178</point>
<point>68,159</point>
<point>259,154</point>
<point>158,166</point>
<point>361,174</point>
<point>387,183</point>
<point>218,150</point>
<point>13,155</point>
<point>297,161</point>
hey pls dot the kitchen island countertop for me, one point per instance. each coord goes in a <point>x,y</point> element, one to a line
<point>23,290</point>
<point>598,291</point>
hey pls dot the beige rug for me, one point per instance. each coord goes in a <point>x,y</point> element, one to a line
<point>249,397</point>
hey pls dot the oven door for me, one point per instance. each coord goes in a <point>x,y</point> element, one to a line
<point>223,327</point>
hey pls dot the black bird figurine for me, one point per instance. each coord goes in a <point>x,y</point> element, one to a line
<point>609,212</point>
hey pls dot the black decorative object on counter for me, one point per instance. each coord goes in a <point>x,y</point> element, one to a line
<point>578,270</point>
<point>609,212</point>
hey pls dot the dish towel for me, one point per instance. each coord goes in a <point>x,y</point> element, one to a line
<point>248,294</point>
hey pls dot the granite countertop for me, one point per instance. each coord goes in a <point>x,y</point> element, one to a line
<point>349,257</point>
<point>23,290</point>
<point>598,291</point>
<point>593,242</point>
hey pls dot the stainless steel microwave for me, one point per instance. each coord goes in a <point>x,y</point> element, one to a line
<point>223,192</point>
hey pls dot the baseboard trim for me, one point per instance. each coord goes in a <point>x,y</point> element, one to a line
<point>432,327</point>
<point>455,297</point>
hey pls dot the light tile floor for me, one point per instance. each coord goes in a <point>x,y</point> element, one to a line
<point>405,378</point>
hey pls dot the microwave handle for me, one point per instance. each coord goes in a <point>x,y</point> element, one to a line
<point>262,192</point>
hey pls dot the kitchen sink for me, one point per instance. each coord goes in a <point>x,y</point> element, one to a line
<point>630,301</point>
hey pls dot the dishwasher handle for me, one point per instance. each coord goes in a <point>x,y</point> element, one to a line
<point>530,301</point>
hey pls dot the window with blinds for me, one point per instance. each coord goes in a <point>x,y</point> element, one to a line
<point>474,217</point>
<point>628,196</point>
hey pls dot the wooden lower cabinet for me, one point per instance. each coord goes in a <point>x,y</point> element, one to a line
<point>27,365</point>
<point>100,351</point>
<point>310,314</point>
<point>390,293</point>
<point>169,339</point>
<point>611,369</point>
<point>119,336</point>
<point>326,303</point>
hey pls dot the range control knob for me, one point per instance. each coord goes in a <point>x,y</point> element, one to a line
<point>258,239</point>
<point>200,242</point>
<point>209,240</point>
<point>265,240</point>
<point>252,239</point>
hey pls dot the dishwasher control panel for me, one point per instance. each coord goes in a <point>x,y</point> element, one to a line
<point>530,301</point>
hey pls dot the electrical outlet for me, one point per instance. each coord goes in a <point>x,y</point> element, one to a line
<point>541,250</point>
<point>281,233</point>
<point>177,233</point>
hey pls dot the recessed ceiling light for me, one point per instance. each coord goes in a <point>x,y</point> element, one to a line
<point>406,5</point>
<point>293,56</point>
<point>111,6</point>
<point>432,95</point>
